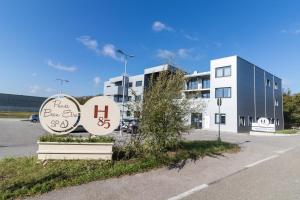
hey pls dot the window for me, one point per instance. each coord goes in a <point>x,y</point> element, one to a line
<point>277,122</point>
<point>242,121</point>
<point>129,98</point>
<point>118,98</point>
<point>223,71</point>
<point>222,118</point>
<point>108,86</point>
<point>138,83</point>
<point>276,102</point>
<point>205,95</point>
<point>130,84</point>
<point>250,120</point>
<point>138,98</point>
<point>128,113</point>
<point>268,83</point>
<point>223,92</point>
<point>118,83</point>
<point>205,83</point>
<point>192,84</point>
<point>275,86</point>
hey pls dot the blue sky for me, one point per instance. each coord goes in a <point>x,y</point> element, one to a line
<point>75,40</point>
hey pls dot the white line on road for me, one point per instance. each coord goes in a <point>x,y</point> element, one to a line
<point>260,161</point>
<point>284,150</point>
<point>189,192</point>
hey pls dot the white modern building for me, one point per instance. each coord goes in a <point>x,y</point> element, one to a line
<point>248,93</point>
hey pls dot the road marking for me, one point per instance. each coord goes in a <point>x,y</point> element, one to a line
<point>260,161</point>
<point>189,192</point>
<point>284,150</point>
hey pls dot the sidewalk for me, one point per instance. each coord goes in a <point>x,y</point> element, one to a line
<point>165,183</point>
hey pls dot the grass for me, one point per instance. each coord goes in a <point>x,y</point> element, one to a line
<point>26,176</point>
<point>4,114</point>
<point>57,138</point>
<point>287,131</point>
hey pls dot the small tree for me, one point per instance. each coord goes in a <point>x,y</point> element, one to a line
<point>163,113</point>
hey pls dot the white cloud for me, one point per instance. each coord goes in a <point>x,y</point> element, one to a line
<point>181,53</point>
<point>189,37</point>
<point>291,31</point>
<point>165,54</point>
<point>97,81</point>
<point>49,90</point>
<point>33,89</point>
<point>61,67</point>
<point>159,26</point>
<point>88,42</point>
<point>107,50</point>
<point>184,53</point>
<point>34,74</point>
<point>217,44</point>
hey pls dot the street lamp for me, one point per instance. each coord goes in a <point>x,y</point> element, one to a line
<point>62,81</point>
<point>126,57</point>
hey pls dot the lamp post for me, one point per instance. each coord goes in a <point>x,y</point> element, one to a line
<point>62,81</point>
<point>219,103</point>
<point>126,57</point>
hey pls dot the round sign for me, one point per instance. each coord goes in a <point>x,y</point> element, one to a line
<point>100,115</point>
<point>263,121</point>
<point>60,114</point>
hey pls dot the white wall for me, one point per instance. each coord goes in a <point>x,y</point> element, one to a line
<point>229,105</point>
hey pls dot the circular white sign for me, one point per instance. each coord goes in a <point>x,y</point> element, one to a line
<point>100,115</point>
<point>263,121</point>
<point>60,114</point>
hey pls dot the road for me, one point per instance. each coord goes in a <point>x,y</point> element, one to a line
<point>18,137</point>
<point>275,179</point>
<point>266,168</point>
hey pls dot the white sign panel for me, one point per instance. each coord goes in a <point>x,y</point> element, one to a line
<point>60,114</point>
<point>263,125</point>
<point>100,115</point>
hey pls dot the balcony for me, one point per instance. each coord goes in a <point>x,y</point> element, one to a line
<point>116,90</point>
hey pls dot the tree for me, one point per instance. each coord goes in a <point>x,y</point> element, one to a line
<point>163,113</point>
<point>291,109</point>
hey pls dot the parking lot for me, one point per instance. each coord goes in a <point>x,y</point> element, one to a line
<point>18,137</point>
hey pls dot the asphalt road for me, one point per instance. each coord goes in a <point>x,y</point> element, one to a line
<point>275,179</point>
<point>266,168</point>
<point>18,137</point>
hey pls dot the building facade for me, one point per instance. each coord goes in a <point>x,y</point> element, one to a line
<point>248,93</point>
<point>20,103</point>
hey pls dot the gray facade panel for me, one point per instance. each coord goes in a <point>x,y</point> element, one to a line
<point>245,94</point>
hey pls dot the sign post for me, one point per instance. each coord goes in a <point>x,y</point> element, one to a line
<point>219,102</point>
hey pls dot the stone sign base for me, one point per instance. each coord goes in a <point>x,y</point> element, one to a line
<point>74,151</point>
<point>258,133</point>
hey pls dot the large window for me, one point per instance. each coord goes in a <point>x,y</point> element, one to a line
<point>223,71</point>
<point>250,121</point>
<point>192,84</point>
<point>205,83</point>
<point>220,119</point>
<point>205,94</point>
<point>242,121</point>
<point>276,86</point>
<point>118,83</point>
<point>138,83</point>
<point>276,102</point>
<point>224,92</point>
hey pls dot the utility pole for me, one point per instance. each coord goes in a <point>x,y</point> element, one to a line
<point>125,56</point>
<point>62,81</point>
<point>219,102</point>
